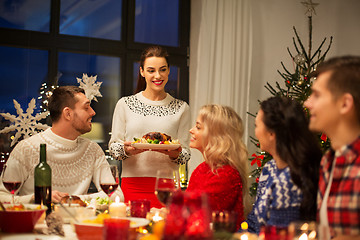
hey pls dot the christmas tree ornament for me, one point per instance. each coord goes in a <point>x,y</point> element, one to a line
<point>90,86</point>
<point>257,159</point>
<point>24,124</point>
<point>299,59</point>
<point>323,137</point>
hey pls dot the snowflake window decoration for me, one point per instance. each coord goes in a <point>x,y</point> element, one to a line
<point>24,124</point>
<point>90,86</point>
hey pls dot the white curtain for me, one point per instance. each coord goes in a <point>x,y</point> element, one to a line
<point>220,58</point>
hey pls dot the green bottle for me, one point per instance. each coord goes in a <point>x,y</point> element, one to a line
<point>42,181</point>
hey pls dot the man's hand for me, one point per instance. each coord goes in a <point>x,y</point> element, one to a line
<point>56,196</point>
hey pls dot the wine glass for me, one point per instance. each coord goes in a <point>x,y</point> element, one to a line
<point>167,181</point>
<point>109,179</point>
<point>11,181</point>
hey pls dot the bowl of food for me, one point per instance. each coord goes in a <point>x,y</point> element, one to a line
<point>69,212</point>
<point>71,207</point>
<point>102,204</point>
<point>92,228</point>
<point>20,218</point>
<point>87,231</point>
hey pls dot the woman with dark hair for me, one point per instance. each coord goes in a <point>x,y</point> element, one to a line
<point>151,109</point>
<point>288,183</point>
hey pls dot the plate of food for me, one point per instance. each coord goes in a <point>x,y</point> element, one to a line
<point>156,140</point>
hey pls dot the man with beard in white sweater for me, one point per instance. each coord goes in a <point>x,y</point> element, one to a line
<point>75,161</point>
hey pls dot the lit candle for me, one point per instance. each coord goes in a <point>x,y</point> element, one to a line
<point>157,217</point>
<point>303,237</point>
<point>244,237</point>
<point>117,209</point>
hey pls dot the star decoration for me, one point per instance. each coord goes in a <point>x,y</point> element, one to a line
<point>310,7</point>
<point>90,86</point>
<point>24,124</point>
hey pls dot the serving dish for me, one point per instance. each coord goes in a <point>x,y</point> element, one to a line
<point>21,221</point>
<point>92,231</point>
<point>153,146</point>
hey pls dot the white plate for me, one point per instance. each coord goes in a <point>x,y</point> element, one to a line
<point>134,222</point>
<point>138,222</point>
<point>156,146</point>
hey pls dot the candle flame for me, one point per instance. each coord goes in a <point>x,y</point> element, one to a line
<point>312,235</point>
<point>304,227</point>
<point>303,237</point>
<point>117,199</point>
<point>244,237</point>
<point>157,217</point>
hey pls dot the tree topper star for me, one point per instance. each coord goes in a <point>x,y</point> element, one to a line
<point>90,86</point>
<point>25,124</point>
<point>310,7</point>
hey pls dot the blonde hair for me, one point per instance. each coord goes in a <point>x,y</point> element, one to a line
<point>223,132</point>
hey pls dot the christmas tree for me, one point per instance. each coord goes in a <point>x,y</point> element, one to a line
<point>297,85</point>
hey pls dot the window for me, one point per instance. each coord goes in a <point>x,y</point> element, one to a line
<point>16,15</point>
<point>56,41</point>
<point>22,72</point>
<point>95,19</point>
<point>157,22</point>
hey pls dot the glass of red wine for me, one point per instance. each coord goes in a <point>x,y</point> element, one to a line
<point>11,181</point>
<point>109,179</point>
<point>167,182</point>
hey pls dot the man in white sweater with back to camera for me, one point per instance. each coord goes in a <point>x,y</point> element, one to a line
<point>75,161</point>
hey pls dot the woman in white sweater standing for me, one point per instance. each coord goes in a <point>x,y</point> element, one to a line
<point>151,109</point>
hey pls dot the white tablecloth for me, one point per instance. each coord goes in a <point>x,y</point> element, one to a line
<point>68,229</point>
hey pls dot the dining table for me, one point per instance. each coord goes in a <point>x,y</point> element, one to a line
<point>136,230</point>
<point>70,234</point>
<point>37,234</point>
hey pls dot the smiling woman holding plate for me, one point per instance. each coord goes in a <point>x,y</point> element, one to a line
<point>151,109</point>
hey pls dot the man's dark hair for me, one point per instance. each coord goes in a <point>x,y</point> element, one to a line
<point>62,97</point>
<point>345,77</point>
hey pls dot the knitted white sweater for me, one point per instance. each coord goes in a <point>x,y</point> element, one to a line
<point>74,164</point>
<point>135,116</point>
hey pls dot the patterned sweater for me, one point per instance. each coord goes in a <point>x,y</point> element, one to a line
<point>277,200</point>
<point>74,164</point>
<point>135,116</point>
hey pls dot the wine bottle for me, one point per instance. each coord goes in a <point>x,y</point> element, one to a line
<point>42,181</point>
